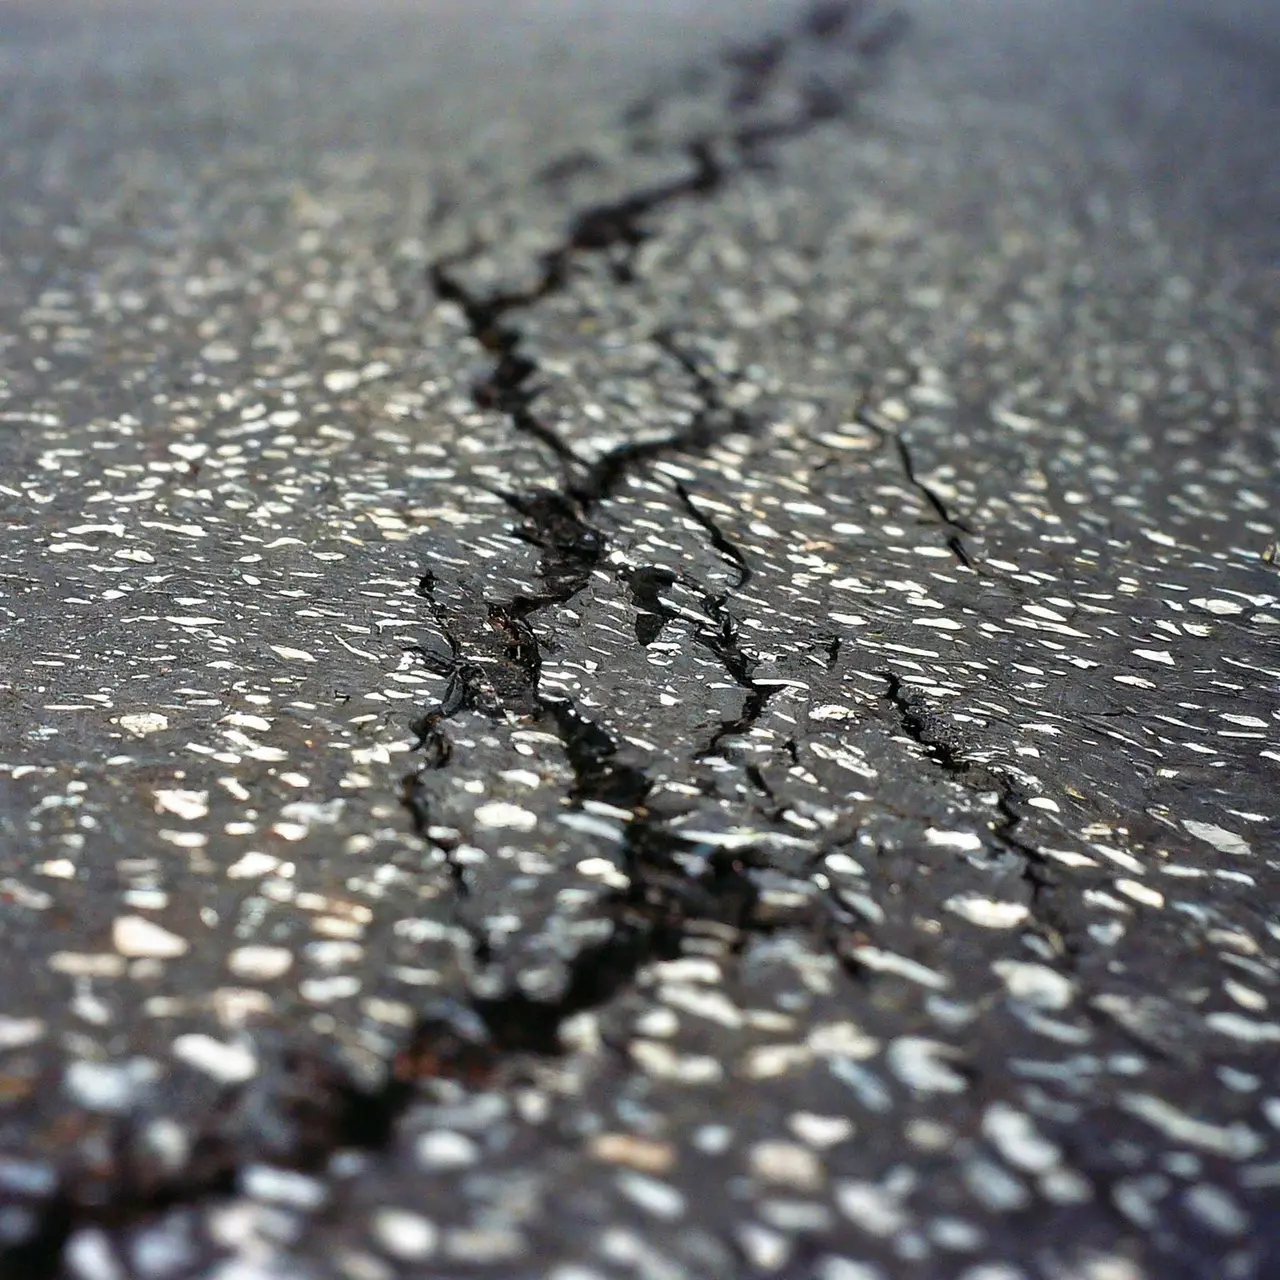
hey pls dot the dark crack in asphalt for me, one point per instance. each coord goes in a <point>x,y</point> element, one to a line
<point>663,896</point>
<point>559,524</point>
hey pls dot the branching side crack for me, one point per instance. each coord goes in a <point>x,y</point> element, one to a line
<point>922,726</point>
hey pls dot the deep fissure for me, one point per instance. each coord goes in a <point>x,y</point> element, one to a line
<point>559,523</point>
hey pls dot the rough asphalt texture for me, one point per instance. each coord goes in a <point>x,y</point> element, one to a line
<point>640,642</point>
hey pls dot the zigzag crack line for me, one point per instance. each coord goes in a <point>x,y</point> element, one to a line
<point>723,641</point>
<point>715,535</point>
<point>559,522</point>
<point>494,667</point>
<point>1037,870</point>
<point>619,223</point>
<point>957,528</point>
<point>931,497</point>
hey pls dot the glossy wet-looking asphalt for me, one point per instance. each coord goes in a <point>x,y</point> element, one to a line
<point>640,647</point>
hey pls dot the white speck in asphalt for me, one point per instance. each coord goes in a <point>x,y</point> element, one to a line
<point>499,814</point>
<point>138,937</point>
<point>407,1237</point>
<point>227,1063</point>
<point>142,723</point>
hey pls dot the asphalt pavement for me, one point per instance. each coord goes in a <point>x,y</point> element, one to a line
<point>640,641</point>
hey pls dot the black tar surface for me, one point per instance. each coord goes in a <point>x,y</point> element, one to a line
<point>640,644</point>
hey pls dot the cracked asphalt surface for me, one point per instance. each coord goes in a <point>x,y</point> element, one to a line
<point>640,643</point>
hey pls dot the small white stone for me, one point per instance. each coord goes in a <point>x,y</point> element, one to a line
<point>292,655</point>
<point>251,866</point>
<point>880,961</point>
<point>1139,892</point>
<point>483,1246</point>
<point>663,1063</point>
<point>841,1040</point>
<point>702,1002</point>
<point>1223,840</point>
<point>956,1235</point>
<point>1235,1141</point>
<point>17,1033</point>
<point>138,937</point>
<point>445,1149</point>
<point>1036,984</point>
<point>406,1236</point>
<point>654,1197</point>
<point>242,720</point>
<point>870,1207</point>
<point>260,963</point>
<point>716,1139</point>
<point>604,870</point>
<point>499,814</point>
<point>766,1061</point>
<point>766,1250</point>
<point>1238,1027</point>
<point>658,1023</point>
<point>689,969</point>
<point>327,990</point>
<point>309,813</point>
<point>1066,1186</point>
<point>1217,1210</point>
<point>142,723</point>
<point>995,1186</point>
<point>920,1064</point>
<point>786,1162</point>
<point>1015,1136</point>
<point>89,1256</point>
<point>986,912</point>
<point>282,1186</point>
<point>962,840</point>
<point>340,380</point>
<point>1216,605</point>
<point>186,804</point>
<point>809,1217</point>
<point>108,1086</point>
<point>169,1140</point>
<point>821,1131</point>
<point>226,1063</point>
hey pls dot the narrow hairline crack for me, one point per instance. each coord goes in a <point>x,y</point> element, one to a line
<point>956,529</point>
<point>974,776</point>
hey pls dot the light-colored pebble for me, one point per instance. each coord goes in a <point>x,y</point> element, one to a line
<point>140,938</point>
